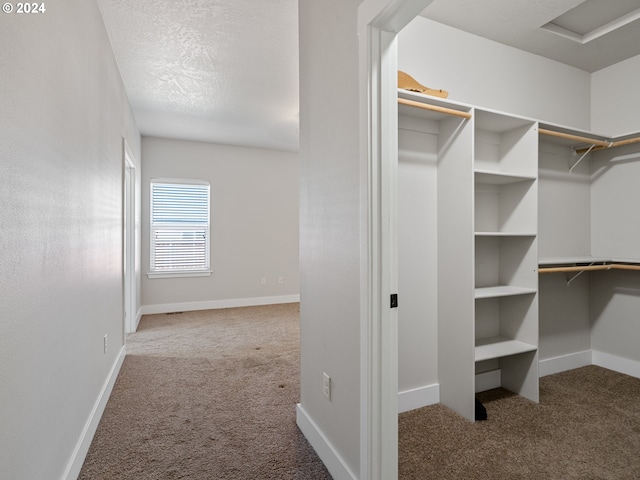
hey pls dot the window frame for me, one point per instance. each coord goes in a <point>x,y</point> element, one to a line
<point>178,272</point>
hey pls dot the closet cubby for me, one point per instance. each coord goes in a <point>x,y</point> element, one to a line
<point>504,204</point>
<point>503,146</point>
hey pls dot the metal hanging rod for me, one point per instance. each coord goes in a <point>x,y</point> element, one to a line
<point>434,108</point>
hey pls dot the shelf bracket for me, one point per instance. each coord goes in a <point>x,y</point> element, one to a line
<point>579,160</point>
<point>573,277</point>
<point>569,280</point>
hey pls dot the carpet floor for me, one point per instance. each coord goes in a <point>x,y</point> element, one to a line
<point>586,427</point>
<point>211,395</point>
<point>207,395</point>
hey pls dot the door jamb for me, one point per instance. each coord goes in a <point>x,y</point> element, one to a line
<point>379,21</point>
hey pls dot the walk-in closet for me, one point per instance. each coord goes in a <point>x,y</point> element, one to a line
<point>518,225</point>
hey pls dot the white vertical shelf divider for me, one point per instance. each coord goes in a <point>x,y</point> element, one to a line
<point>455,266</point>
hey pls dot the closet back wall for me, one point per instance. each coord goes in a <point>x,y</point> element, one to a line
<point>254,225</point>
<point>614,99</point>
<point>417,255</point>
<point>487,74</point>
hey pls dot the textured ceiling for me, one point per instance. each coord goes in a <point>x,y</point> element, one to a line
<point>226,71</point>
<point>210,70</point>
<point>519,23</point>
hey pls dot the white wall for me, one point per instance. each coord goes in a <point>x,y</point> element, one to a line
<point>564,213</point>
<point>417,254</point>
<point>564,227</point>
<point>615,197</point>
<point>64,114</point>
<point>329,223</point>
<point>614,98</point>
<point>615,233</point>
<point>615,302</point>
<point>254,224</point>
<point>487,74</point>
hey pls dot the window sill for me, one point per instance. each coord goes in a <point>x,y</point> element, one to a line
<point>178,274</point>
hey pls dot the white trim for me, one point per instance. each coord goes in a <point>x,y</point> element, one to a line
<point>562,363</point>
<point>130,238</point>
<point>177,274</point>
<point>336,465</point>
<point>617,364</point>
<point>138,318</point>
<point>418,397</point>
<point>217,304</point>
<point>377,20</point>
<point>86,437</point>
<point>488,380</point>
<point>186,181</point>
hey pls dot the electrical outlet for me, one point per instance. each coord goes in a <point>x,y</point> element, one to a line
<point>105,342</point>
<point>263,281</point>
<point>326,385</point>
<point>280,279</point>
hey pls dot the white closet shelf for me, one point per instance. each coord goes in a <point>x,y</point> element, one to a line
<point>505,234</point>
<point>572,260</point>
<point>502,291</point>
<point>497,347</point>
<point>432,108</point>
<point>494,177</point>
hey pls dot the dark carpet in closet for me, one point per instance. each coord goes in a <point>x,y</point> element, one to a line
<point>586,426</point>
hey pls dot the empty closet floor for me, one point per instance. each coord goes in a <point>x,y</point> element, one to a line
<point>587,425</point>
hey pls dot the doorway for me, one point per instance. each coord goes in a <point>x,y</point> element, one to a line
<point>379,23</point>
<point>130,289</point>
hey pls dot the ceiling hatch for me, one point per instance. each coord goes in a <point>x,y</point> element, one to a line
<point>594,18</point>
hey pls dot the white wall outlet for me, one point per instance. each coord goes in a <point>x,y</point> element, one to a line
<point>105,342</point>
<point>280,279</point>
<point>263,280</point>
<point>326,385</point>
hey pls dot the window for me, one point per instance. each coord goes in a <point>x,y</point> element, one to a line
<point>179,231</point>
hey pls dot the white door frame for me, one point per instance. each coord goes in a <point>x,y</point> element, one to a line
<point>129,242</point>
<point>379,21</point>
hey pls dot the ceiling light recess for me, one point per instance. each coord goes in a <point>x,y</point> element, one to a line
<point>555,27</point>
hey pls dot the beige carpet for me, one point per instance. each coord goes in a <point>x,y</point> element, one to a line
<point>211,395</point>
<point>207,395</point>
<point>586,427</point>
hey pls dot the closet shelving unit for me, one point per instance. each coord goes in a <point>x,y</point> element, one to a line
<point>505,230</point>
<point>488,264</point>
<point>582,144</point>
<point>487,248</point>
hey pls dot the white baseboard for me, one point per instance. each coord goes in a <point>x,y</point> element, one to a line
<point>86,437</point>
<point>217,304</point>
<point>418,398</point>
<point>562,363</point>
<point>430,394</point>
<point>617,364</point>
<point>337,467</point>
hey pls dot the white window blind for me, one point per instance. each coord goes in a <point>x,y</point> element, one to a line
<point>179,226</point>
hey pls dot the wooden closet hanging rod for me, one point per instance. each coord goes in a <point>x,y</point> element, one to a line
<point>624,266</point>
<point>573,269</point>
<point>435,108</point>
<point>586,268</point>
<point>619,143</point>
<point>568,136</point>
